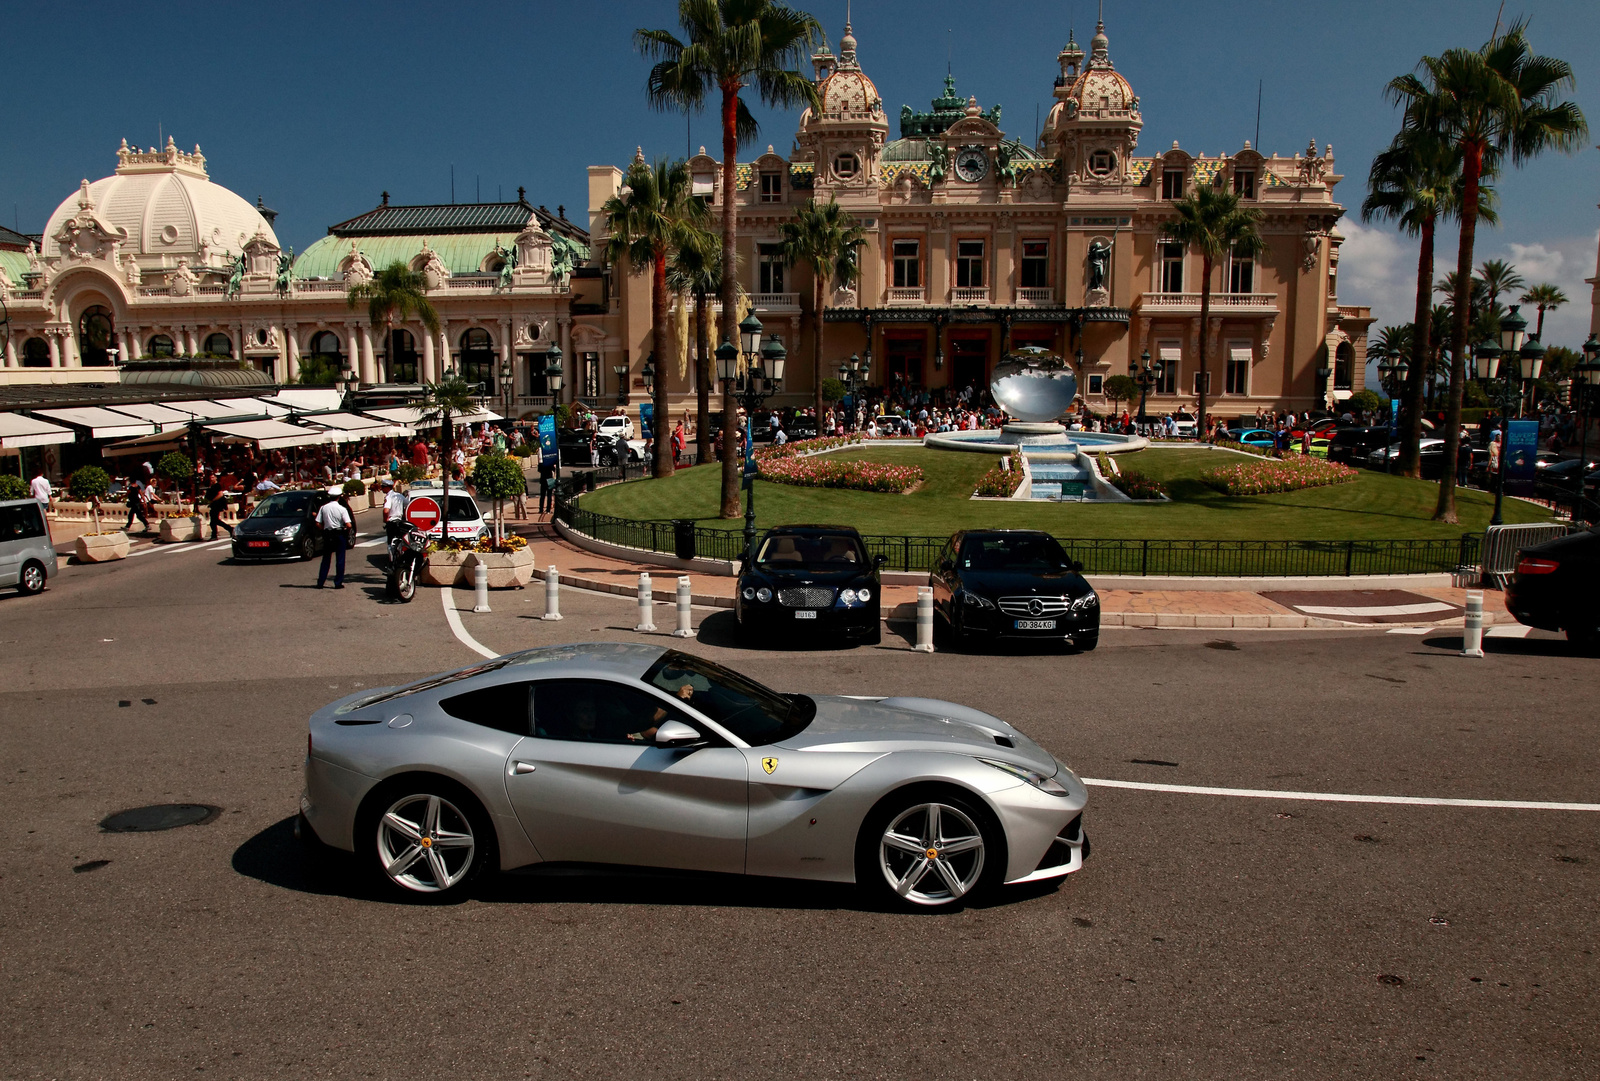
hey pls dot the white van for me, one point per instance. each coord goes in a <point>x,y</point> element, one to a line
<point>27,558</point>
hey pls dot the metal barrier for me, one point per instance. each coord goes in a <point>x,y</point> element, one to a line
<point>1502,542</point>
<point>1138,556</point>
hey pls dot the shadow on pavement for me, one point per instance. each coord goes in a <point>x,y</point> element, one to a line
<point>276,857</point>
<point>721,629</point>
<point>1510,647</point>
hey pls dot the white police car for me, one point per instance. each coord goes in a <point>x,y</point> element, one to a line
<point>466,520</point>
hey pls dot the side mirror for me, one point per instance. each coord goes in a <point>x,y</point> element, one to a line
<point>677,734</point>
<point>880,559</point>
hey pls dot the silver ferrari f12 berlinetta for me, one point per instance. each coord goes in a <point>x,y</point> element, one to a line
<point>644,756</point>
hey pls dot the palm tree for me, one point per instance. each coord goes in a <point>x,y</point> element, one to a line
<point>729,45</point>
<point>1499,276</point>
<point>1212,223</point>
<point>447,399</point>
<point>1497,101</point>
<point>695,269</point>
<point>652,215</point>
<point>396,293</point>
<point>825,237</point>
<point>1547,298</point>
<point>1413,182</point>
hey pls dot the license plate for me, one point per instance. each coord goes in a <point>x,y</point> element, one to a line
<point>1036,624</point>
<point>805,615</point>
<point>256,544</point>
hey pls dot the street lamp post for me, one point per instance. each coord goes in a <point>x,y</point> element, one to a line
<point>1586,378</point>
<point>1509,369</point>
<point>554,376</point>
<point>850,376</point>
<point>621,372</point>
<point>1149,375</point>
<point>1322,387</point>
<point>507,397</point>
<point>764,370</point>
<point>1392,376</point>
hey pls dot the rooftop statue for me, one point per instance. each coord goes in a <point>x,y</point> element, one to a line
<point>939,158</point>
<point>235,274</point>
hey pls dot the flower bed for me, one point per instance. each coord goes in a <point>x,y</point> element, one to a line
<point>999,482</point>
<point>802,447</point>
<point>512,543</point>
<point>1277,475</point>
<point>1247,448</point>
<point>1136,485</point>
<point>829,473</point>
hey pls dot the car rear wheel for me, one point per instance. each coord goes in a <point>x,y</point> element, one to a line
<point>32,578</point>
<point>429,838</point>
<point>927,849</point>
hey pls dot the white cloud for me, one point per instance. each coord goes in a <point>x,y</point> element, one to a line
<point>1565,263</point>
<point>1378,266</point>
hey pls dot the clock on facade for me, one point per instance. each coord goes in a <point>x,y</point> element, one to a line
<point>971,164</point>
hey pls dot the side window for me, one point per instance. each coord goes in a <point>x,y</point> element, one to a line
<point>504,707</point>
<point>20,522</point>
<point>591,711</point>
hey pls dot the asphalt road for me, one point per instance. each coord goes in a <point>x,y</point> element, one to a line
<point>1208,936</point>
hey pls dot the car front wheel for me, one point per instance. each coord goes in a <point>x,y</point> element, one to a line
<point>927,850</point>
<point>429,839</point>
<point>308,547</point>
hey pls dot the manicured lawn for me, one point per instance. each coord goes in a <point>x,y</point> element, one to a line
<point>1374,507</point>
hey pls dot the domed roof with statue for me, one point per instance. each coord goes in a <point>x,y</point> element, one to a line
<point>167,207</point>
<point>845,92</point>
<point>1099,91</point>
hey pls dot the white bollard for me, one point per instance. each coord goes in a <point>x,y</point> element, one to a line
<point>552,593</point>
<point>480,587</point>
<point>924,620</point>
<point>685,624</point>
<point>647,620</point>
<point>1472,631</point>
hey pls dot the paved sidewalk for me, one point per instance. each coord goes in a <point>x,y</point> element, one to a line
<point>1218,609</point>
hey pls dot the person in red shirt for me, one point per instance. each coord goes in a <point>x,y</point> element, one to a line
<point>419,454</point>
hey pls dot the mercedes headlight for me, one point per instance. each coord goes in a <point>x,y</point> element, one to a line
<point>970,598</point>
<point>1033,777</point>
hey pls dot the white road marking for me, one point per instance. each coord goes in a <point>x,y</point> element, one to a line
<point>1376,610</point>
<point>1343,797</point>
<point>371,543</point>
<point>452,617</point>
<point>1508,631</point>
<point>1409,630</point>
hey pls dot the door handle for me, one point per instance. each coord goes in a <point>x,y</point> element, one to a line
<point>523,767</point>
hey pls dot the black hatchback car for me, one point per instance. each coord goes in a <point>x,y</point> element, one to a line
<point>812,578</point>
<point>282,525</point>
<point>1556,587</point>
<point>1014,584</point>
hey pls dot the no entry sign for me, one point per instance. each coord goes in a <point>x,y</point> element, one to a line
<point>422,512</point>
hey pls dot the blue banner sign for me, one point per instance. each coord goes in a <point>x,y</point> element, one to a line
<point>548,450</point>
<point>647,416</point>
<point>749,451</point>
<point>1522,454</point>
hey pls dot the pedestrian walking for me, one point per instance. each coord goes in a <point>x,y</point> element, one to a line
<point>40,487</point>
<point>337,525</point>
<point>547,487</point>
<point>136,505</point>
<point>217,502</point>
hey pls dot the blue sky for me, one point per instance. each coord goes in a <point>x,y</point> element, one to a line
<point>319,107</point>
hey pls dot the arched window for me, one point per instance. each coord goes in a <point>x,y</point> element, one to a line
<point>325,346</point>
<point>401,361</point>
<point>36,353</point>
<point>94,337</point>
<point>161,346</point>
<point>1343,362</point>
<point>477,358</point>
<point>218,344</point>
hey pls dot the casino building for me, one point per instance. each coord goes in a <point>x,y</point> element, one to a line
<point>979,242</point>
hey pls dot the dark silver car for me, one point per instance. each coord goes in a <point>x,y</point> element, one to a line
<point>27,558</point>
<point>645,756</point>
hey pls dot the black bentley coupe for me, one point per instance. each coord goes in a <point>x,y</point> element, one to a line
<point>810,580</point>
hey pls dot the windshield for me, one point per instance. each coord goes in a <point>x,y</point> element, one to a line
<point>1027,552</point>
<point>824,551</point>
<point>756,714</point>
<point>287,504</point>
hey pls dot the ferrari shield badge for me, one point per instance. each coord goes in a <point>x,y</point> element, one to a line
<point>769,764</point>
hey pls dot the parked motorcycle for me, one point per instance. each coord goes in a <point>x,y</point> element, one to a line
<point>406,555</point>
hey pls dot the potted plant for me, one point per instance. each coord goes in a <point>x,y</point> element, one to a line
<point>175,467</point>
<point>355,486</point>
<point>90,484</point>
<point>13,487</point>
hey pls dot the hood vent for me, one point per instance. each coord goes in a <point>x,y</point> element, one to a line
<point>1004,741</point>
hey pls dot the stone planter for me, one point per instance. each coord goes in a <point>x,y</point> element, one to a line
<point>374,497</point>
<point>445,568</point>
<point>180,529</point>
<point>507,570</point>
<point>101,547</point>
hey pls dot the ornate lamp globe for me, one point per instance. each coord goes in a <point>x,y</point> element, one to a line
<point>727,361</point>
<point>750,334</point>
<point>554,373</point>
<point>1513,330</point>
<point>1532,357</point>
<point>1487,358</point>
<point>649,374</point>
<point>775,356</point>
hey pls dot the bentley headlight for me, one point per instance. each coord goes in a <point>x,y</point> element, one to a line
<point>1033,777</point>
<point>848,596</point>
<point>763,594</point>
<point>747,593</point>
<point>863,594</point>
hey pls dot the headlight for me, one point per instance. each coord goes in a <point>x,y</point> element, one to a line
<point>288,531</point>
<point>1033,777</point>
<point>848,596</point>
<point>975,601</point>
<point>763,594</point>
<point>863,594</point>
<point>747,593</point>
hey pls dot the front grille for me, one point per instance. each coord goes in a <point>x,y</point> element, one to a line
<point>806,597</point>
<point>1024,606</point>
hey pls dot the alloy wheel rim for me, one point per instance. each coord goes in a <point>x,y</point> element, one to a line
<point>425,843</point>
<point>33,578</point>
<point>931,854</point>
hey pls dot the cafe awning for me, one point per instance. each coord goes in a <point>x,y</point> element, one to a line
<point>306,398</point>
<point>208,410</point>
<point>268,434</point>
<point>168,419</point>
<point>99,423</point>
<point>17,430</point>
<point>154,443</point>
<point>417,418</point>
<point>348,427</point>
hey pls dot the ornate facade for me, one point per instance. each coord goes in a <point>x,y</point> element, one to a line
<point>157,261</point>
<point>979,243</point>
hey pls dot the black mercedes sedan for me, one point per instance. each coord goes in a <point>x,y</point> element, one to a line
<point>282,525</point>
<point>1556,587</point>
<point>812,579</point>
<point>1013,584</point>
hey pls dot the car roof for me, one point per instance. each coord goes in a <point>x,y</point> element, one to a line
<point>811,530</point>
<point>18,502</point>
